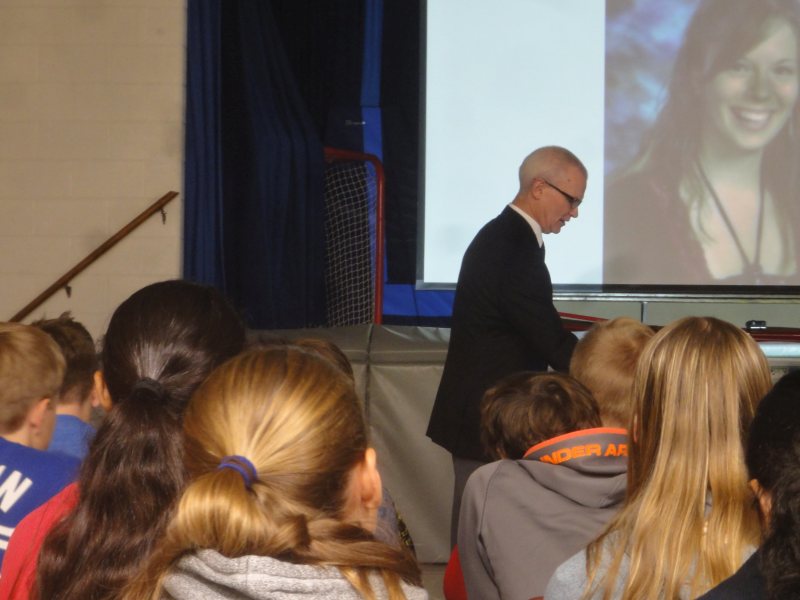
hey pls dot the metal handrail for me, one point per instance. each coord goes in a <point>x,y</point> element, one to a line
<point>63,281</point>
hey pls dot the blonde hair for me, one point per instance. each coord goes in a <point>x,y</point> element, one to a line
<point>298,420</point>
<point>31,368</point>
<point>605,361</point>
<point>688,517</point>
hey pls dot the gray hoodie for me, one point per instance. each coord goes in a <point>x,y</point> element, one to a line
<point>570,579</point>
<point>206,574</point>
<point>520,519</point>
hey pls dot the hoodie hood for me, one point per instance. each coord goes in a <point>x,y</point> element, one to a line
<point>586,466</point>
<point>208,574</point>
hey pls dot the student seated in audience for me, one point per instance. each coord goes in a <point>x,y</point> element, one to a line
<point>688,521</point>
<point>82,388</point>
<point>559,481</point>
<point>160,344</point>
<point>31,371</point>
<point>283,491</point>
<point>604,361</point>
<point>390,528</point>
<point>773,462</point>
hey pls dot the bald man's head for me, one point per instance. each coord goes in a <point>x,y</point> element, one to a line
<point>548,163</point>
<point>552,181</point>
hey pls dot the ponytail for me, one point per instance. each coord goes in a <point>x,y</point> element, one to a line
<point>218,511</point>
<point>271,441</point>
<point>161,343</point>
<point>126,492</point>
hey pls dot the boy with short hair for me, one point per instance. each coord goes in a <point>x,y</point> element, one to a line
<point>560,479</point>
<point>31,372</point>
<point>605,360</point>
<point>523,516</point>
<point>81,390</point>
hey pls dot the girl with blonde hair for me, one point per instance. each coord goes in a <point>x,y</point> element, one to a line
<point>283,491</point>
<point>688,520</point>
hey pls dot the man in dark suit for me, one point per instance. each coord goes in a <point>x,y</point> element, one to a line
<point>504,320</point>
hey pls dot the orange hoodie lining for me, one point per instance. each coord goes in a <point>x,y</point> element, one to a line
<point>574,434</point>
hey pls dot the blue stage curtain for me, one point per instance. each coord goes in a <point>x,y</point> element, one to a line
<point>202,205</point>
<point>400,73</point>
<point>254,169</point>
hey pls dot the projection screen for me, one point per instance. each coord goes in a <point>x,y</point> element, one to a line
<point>683,111</point>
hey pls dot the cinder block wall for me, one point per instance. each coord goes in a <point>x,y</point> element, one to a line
<point>91,133</point>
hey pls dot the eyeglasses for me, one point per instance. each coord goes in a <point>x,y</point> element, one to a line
<point>573,201</point>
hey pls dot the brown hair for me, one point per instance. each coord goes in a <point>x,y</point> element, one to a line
<point>605,361</point>
<point>160,345</point>
<point>78,348</point>
<point>322,347</point>
<point>296,417</point>
<point>329,351</point>
<point>31,368</point>
<point>527,408</point>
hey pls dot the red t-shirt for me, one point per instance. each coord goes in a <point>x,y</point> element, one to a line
<point>18,574</point>
<point>453,584</point>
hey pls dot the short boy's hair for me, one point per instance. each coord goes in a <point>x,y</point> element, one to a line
<point>79,351</point>
<point>31,368</point>
<point>329,351</point>
<point>319,346</point>
<point>527,408</point>
<point>605,361</point>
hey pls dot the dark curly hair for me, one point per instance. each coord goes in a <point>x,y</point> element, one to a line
<point>773,459</point>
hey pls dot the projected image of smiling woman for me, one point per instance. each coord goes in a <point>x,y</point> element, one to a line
<point>713,196</point>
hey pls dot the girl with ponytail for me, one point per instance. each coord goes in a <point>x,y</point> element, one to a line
<point>160,345</point>
<point>283,491</point>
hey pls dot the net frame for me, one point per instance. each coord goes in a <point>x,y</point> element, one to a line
<point>370,192</point>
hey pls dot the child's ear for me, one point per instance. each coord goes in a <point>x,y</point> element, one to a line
<point>371,486</point>
<point>365,491</point>
<point>100,395</point>
<point>41,420</point>
<point>37,412</point>
<point>764,498</point>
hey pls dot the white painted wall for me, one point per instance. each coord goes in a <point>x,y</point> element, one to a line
<point>91,133</point>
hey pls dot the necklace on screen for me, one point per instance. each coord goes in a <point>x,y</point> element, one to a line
<point>751,269</point>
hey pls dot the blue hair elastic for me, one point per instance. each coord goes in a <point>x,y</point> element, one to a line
<point>241,465</point>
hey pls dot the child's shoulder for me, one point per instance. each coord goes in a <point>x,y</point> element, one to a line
<point>29,461</point>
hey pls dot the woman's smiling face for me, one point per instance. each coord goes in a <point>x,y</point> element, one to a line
<point>751,101</point>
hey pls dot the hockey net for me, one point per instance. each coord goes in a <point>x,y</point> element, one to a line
<point>354,237</point>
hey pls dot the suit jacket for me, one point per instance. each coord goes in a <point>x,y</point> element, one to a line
<point>504,321</point>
